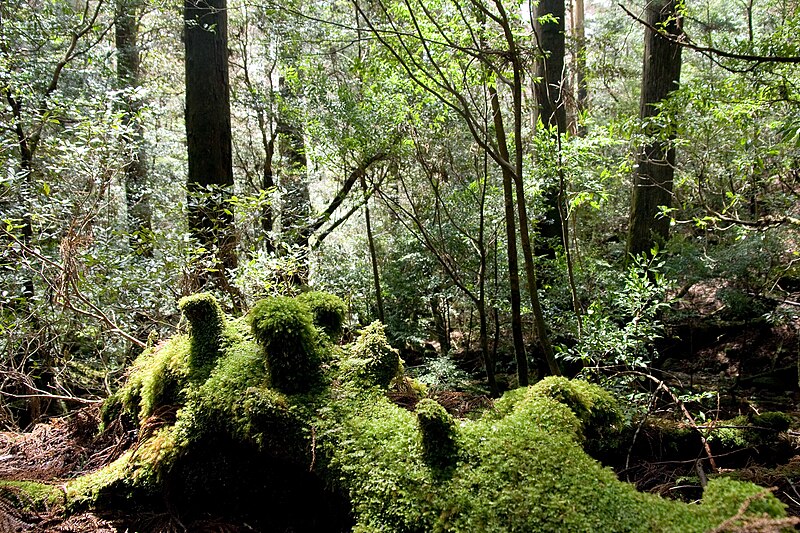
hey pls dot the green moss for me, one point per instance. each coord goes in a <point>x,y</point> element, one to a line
<point>206,323</point>
<point>371,359</point>
<point>725,496</point>
<point>158,377</point>
<point>328,310</point>
<point>520,467</point>
<point>439,447</point>
<point>284,327</point>
<point>774,420</point>
<point>31,495</point>
<point>596,409</point>
<point>522,470</point>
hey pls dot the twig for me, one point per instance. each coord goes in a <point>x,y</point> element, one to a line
<point>94,311</point>
<point>50,397</point>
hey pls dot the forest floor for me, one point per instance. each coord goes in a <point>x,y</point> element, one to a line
<point>751,365</point>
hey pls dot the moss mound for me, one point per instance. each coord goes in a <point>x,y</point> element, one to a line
<point>284,327</point>
<point>328,310</point>
<point>339,456</point>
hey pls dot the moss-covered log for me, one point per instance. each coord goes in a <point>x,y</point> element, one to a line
<point>334,454</point>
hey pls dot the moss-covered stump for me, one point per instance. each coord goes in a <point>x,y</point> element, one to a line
<point>337,455</point>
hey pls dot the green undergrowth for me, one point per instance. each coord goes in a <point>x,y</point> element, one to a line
<point>319,438</point>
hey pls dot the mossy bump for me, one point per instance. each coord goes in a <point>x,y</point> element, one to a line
<point>206,323</point>
<point>284,328</point>
<point>328,310</point>
<point>372,358</point>
<point>439,447</point>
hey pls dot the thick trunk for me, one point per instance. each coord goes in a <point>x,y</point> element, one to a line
<point>126,26</point>
<point>208,130</point>
<point>549,28</point>
<point>655,163</point>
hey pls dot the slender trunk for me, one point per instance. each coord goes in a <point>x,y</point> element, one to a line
<point>126,25</point>
<point>208,134</point>
<point>511,235</point>
<point>295,204</point>
<point>527,250</point>
<point>522,210</point>
<point>655,163</point>
<point>373,256</point>
<point>581,90</point>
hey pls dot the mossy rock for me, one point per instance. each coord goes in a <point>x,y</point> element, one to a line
<point>32,496</point>
<point>342,451</point>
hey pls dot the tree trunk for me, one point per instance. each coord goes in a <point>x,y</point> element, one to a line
<point>511,236</point>
<point>655,163</point>
<point>581,91</point>
<point>550,108</point>
<point>295,201</point>
<point>126,25</point>
<point>208,131</point>
<point>373,256</point>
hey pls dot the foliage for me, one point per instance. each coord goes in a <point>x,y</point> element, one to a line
<point>620,327</point>
<point>441,373</point>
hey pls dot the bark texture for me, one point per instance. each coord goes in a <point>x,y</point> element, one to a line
<point>655,162</point>
<point>208,129</point>
<point>549,27</point>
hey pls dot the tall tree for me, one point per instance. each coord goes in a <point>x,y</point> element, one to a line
<point>127,14</point>
<point>655,162</point>
<point>579,34</point>
<point>549,25</point>
<point>208,132</point>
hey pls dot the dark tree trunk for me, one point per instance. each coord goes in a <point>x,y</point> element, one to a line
<point>652,186</point>
<point>373,255</point>
<point>551,109</point>
<point>581,90</point>
<point>208,131</point>
<point>511,236</point>
<point>126,25</point>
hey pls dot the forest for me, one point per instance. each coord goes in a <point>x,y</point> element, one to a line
<point>399,265</point>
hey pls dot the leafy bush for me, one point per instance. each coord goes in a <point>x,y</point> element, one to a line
<point>284,327</point>
<point>328,310</point>
<point>442,373</point>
